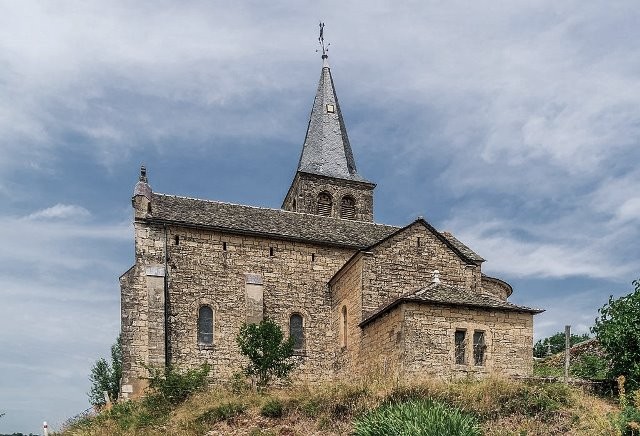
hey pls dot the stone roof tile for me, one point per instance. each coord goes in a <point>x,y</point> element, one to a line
<point>326,150</point>
<point>463,248</point>
<point>260,221</point>
<point>442,294</point>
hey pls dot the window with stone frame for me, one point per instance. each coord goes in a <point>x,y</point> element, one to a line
<point>348,208</point>
<point>460,346</point>
<point>325,204</point>
<point>296,331</point>
<point>205,325</point>
<point>479,348</point>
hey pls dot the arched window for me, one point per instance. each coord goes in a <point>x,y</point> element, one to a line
<point>325,204</point>
<point>205,325</point>
<point>344,326</point>
<point>296,331</point>
<point>348,208</point>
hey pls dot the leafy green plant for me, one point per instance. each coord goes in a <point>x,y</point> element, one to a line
<point>629,421</point>
<point>268,352</point>
<point>420,417</point>
<point>175,385</point>
<point>222,412</point>
<point>105,377</point>
<point>272,409</point>
<point>123,413</point>
<point>618,331</point>
<point>590,366</point>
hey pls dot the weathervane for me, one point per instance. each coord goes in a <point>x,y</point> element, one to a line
<point>325,48</point>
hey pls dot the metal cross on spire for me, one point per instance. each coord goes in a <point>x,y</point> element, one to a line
<point>325,48</point>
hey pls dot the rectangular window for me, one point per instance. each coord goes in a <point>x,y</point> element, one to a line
<point>460,347</point>
<point>479,348</point>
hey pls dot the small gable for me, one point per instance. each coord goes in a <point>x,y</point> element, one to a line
<point>407,259</point>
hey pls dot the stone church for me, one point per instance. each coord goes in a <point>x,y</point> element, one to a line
<point>359,298</point>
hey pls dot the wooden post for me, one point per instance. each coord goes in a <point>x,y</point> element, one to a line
<point>567,353</point>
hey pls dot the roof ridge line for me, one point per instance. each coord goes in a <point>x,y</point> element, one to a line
<point>275,209</point>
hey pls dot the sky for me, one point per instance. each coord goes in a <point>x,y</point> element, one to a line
<point>514,125</point>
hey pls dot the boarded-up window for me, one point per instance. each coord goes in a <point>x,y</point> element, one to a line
<point>325,204</point>
<point>460,346</point>
<point>479,348</point>
<point>296,331</point>
<point>348,208</point>
<point>205,325</point>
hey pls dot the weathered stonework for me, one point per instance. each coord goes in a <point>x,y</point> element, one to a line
<point>373,299</point>
<point>305,189</point>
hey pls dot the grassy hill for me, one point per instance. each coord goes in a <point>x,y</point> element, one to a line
<point>496,406</point>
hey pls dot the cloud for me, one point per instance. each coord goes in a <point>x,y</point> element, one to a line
<point>550,249</point>
<point>516,126</point>
<point>60,212</point>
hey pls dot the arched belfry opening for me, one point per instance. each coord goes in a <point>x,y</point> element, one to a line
<point>325,204</point>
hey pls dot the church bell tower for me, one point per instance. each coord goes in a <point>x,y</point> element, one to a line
<point>327,182</point>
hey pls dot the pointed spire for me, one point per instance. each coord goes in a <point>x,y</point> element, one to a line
<point>326,150</point>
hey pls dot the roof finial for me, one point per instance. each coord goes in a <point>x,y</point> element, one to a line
<point>436,276</point>
<point>325,48</point>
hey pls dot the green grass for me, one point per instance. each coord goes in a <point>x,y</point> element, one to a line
<point>419,417</point>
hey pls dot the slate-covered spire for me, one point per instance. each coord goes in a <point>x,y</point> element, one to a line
<point>326,150</point>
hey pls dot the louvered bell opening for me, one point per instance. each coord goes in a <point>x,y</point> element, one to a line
<point>348,208</point>
<point>324,204</point>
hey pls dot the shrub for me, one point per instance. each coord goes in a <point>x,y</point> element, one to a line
<point>590,366</point>
<point>267,350</point>
<point>617,331</point>
<point>629,421</point>
<point>123,414</point>
<point>105,377</point>
<point>176,385</point>
<point>272,409</point>
<point>222,412</point>
<point>416,418</point>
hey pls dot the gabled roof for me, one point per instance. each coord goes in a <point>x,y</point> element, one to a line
<point>466,253</point>
<point>260,221</point>
<point>447,295</point>
<point>326,150</point>
<point>459,248</point>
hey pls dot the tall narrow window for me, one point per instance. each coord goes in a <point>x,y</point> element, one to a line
<point>479,348</point>
<point>348,208</point>
<point>344,326</point>
<point>460,347</point>
<point>325,204</point>
<point>205,325</point>
<point>296,331</point>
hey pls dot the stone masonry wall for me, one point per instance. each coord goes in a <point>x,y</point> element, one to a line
<point>210,268</point>
<point>142,309</point>
<point>429,341</point>
<point>346,292</point>
<point>306,187</point>
<point>495,287</point>
<point>382,349</point>
<point>401,264</point>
